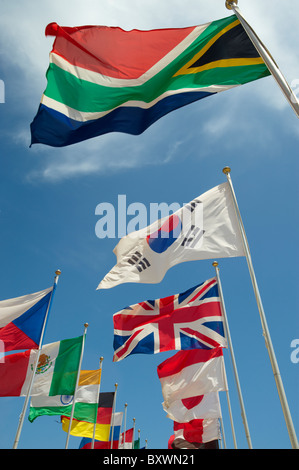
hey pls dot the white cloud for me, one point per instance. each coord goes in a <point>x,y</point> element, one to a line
<point>111,152</point>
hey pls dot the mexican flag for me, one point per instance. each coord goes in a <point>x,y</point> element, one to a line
<point>86,400</point>
<point>56,372</point>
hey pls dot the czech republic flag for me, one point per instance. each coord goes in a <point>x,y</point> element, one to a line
<point>22,319</point>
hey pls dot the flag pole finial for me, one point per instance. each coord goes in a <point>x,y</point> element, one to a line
<point>57,274</point>
<point>215,263</point>
<point>226,170</point>
<point>229,3</point>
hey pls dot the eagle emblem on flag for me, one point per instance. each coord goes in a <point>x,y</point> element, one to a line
<point>190,320</point>
<point>44,363</point>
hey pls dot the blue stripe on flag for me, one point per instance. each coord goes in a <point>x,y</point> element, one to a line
<point>50,127</point>
<point>187,342</point>
<point>187,293</point>
<point>144,346</point>
<point>216,326</point>
<point>119,341</point>
<point>212,292</point>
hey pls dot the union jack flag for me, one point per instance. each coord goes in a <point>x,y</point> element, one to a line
<point>190,320</point>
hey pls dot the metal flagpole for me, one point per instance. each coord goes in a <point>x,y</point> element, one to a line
<point>112,417</point>
<point>76,387</point>
<point>230,410</point>
<point>22,416</point>
<point>228,336</point>
<point>223,434</point>
<point>267,58</point>
<point>134,419</point>
<point>125,424</point>
<point>96,411</point>
<point>269,346</point>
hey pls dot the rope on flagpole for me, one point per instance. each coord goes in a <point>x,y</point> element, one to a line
<point>269,346</point>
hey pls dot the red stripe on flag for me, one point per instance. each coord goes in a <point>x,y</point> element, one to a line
<point>15,339</point>
<point>203,338</point>
<point>193,431</point>
<point>126,346</point>
<point>129,321</point>
<point>13,374</point>
<point>146,306</point>
<point>112,51</point>
<point>104,415</point>
<point>182,359</point>
<point>206,287</point>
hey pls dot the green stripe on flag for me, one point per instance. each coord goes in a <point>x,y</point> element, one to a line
<point>221,76</point>
<point>137,444</point>
<point>66,367</point>
<point>83,411</point>
<point>89,97</point>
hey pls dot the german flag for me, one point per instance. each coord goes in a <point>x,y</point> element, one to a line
<point>105,407</point>
<point>104,417</point>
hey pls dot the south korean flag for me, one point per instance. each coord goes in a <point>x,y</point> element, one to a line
<point>205,228</point>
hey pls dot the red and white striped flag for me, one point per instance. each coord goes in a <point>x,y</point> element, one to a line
<point>197,430</point>
<point>191,373</point>
<point>126,439</point>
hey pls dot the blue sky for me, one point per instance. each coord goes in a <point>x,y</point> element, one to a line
<point>48,199</point>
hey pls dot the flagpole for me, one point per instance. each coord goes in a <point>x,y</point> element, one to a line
<point>222,432</point>
<point>125,424</point>
<point>268,59</point>
<point>22,415</point>
<point>96,411</point>
<point>134,419</point>
<point>269,346</point>
<point>76,387</point>
<point>112,417</point>
<point>230,409</point>
<point>232,355</point>
<point>138,438</point>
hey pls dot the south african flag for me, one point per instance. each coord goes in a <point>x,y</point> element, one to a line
<point>104,79</point>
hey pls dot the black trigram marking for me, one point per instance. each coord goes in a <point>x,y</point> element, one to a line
<point>192,237</point>
<point>194,233</point>
<point>192,205</point>
<point>140,263</point>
